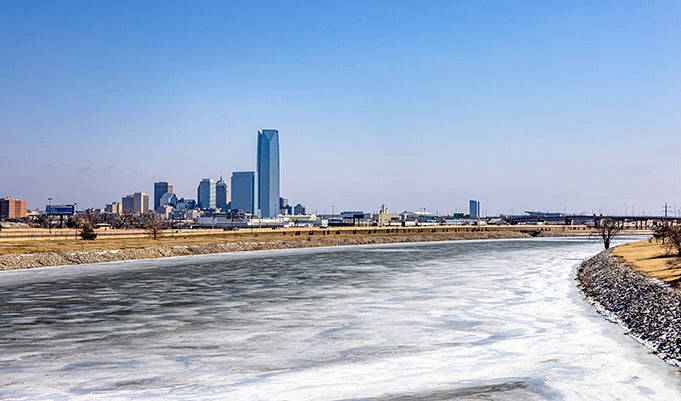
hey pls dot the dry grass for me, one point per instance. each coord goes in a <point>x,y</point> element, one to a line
<point>650,258</point>
<point>23,247</point>
<point>11,245</point>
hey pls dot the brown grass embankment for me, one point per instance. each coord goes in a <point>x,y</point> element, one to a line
<point>35,252</point>
<point>121,239</point>
<point>651,260</point>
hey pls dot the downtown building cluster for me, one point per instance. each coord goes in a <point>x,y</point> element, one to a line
<point>249,193</point>
<point>252,198</point>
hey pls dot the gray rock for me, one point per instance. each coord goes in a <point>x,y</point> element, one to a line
<point>647,308</point>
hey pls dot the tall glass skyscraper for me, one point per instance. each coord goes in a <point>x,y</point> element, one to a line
<point>206,194</point>
<point>474,207</point>
<point>221,194</point>
<point>245,192</point>
<point>161,188</point>
<point>268,172</point>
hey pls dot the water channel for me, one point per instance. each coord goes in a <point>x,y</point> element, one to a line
<point>496,319</point>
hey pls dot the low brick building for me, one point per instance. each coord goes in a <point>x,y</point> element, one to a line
<point>12,208</point>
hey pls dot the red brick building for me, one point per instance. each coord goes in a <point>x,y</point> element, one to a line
<point>12,208</point>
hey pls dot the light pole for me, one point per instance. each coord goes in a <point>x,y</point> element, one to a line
<point>75,212</point>
<point>47,212</point>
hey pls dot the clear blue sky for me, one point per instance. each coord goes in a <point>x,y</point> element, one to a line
<point>524,105</point>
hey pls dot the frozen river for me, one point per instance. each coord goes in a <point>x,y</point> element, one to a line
<point>431,321</point>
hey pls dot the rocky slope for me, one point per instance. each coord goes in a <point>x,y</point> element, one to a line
<point>37,259</point>
<point>648,308</point>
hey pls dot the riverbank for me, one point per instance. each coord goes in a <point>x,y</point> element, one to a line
<point>69,256</point>
<point>647,307</point>
<point>18,253</point>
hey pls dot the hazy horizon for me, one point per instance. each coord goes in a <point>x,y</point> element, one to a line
<point>521,105</point>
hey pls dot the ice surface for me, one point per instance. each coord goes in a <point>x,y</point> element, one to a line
<point>458,320</point>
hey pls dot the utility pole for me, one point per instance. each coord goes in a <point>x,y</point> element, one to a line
<point>666,209</point>
<point>49,220</point>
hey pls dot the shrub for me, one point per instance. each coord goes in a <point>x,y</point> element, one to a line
<point>87,232</point>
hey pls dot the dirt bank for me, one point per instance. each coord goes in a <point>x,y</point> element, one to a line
<point>72,257</point>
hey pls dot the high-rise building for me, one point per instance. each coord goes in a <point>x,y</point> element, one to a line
<point>141,202</point>
<point>206,194</point>
<point>128,204</point>
<point>136,203</point>
<point>114,207</point>
<point>245,192</point>
<point>12,208</point>
<point>221,194</point>
<point>474,207</point>
<point>284,207</point>
<point>268,172</point>
<point>161,188</point>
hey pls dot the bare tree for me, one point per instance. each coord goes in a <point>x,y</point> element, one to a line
<point>660,233</point>
<point>42,221</point>
<point>671,238</point>
<point>123,220</point>
<point>608,229</point>
<point>152,224</point>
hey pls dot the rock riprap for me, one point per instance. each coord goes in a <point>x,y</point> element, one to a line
<point>70,257</point>
<point>648,308</point>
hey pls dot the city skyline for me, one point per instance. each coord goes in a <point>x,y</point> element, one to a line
<point>523,105</point>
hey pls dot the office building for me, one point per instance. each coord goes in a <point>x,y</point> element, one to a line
<point>268,172</point>
<point>185,204</point>
<point>12,208</point>
<point>136,203</point>
<point>284,207</point>
<point>161,188</point>
<point>383,218</point>
<point>114,207</point>
<point>141,202</point>
<point>244,192</point>
<point>128,204</point>
<point>168,199</point>
<point>300,209</point>
<point>474,209</point>
<point>221,194</point>
<point>206,194</point>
